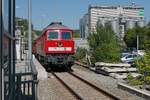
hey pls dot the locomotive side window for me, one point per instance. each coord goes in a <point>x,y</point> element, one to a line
<point>66,35</point>
<point>53,35</point>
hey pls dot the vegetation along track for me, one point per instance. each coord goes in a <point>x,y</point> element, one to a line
<point>76,94</point>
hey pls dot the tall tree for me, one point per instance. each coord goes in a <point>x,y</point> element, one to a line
<point>130,37</point>
<point>104,44</point>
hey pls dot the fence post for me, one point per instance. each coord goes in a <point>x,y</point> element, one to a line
<point>144,85</point>
<point>34,82</point>
<point>145,80</point>
<point>18,88</point>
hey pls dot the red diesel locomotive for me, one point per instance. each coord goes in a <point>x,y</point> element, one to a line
<point>55,45</point>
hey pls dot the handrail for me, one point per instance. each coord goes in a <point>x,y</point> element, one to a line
<point>9,36</point>
<point>23,87</point>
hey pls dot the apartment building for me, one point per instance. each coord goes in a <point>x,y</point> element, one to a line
<point>120,17</point>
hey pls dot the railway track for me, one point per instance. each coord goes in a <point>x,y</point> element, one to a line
<point>70,81</point>
<point>67,87</point>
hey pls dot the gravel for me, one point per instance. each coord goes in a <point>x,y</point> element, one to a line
<point>105,82</point>
<point>52,89</point>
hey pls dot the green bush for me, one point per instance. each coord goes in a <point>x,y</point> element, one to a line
<point>80,53</point>
<point>104,44</point>
<point>134,81</point>
<point>143,65</point>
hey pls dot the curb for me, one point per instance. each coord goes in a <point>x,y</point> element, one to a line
<point>42,74</point>
<point>133,90</point>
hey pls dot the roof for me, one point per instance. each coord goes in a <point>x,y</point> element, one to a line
<point>56,25</point>
<point>115,6</point>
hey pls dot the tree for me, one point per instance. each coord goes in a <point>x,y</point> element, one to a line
<point>143,64</point>
<point>144,37</point>
<point>104,44</point>
<point>76,33</point>
<point>23,24</point>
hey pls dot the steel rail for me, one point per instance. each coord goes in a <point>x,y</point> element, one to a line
<point>78,97</point>
<point>95,87</point>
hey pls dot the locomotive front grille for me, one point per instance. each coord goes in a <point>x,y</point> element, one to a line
<point>57,59</point>
<point>60,59</point>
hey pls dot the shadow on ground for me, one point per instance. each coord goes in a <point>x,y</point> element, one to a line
<point>57,68</point>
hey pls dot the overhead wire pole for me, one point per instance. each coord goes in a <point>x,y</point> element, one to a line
<point>29,32</point>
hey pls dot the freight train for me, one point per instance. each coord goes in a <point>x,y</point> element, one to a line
<point>55,45</point>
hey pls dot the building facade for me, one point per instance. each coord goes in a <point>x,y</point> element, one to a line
<point>84,25</point>
<point>7,63</point>
<point>120,17</point>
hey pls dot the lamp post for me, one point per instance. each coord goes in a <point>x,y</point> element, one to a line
<point>137,44</point>
<point>42,21</point>
<point>29,32</point>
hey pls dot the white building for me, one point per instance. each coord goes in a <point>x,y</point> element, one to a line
<point>18,43</point>
<point>120,17</point>
<point>84,25</point>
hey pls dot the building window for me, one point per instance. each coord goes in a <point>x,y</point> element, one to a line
<point>66,35</point>
<point>5,13</point>
<point>52,35</point>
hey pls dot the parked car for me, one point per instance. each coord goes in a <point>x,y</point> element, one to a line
<point>130,58</point>
<point>141,52</point>
<point>124,54</point>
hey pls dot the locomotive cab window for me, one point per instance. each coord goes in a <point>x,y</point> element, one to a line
<point>53,35</point>
<point>66,35</point>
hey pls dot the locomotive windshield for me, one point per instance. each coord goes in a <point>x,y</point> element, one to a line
<point>53,35</point>
<point>66,35</point>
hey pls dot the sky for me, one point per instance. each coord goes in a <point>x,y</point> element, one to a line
<point>68,12</point>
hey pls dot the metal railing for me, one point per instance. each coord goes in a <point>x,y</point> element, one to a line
<point>26,85</point>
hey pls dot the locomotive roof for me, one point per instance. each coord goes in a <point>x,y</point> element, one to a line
<point>56,25</point>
